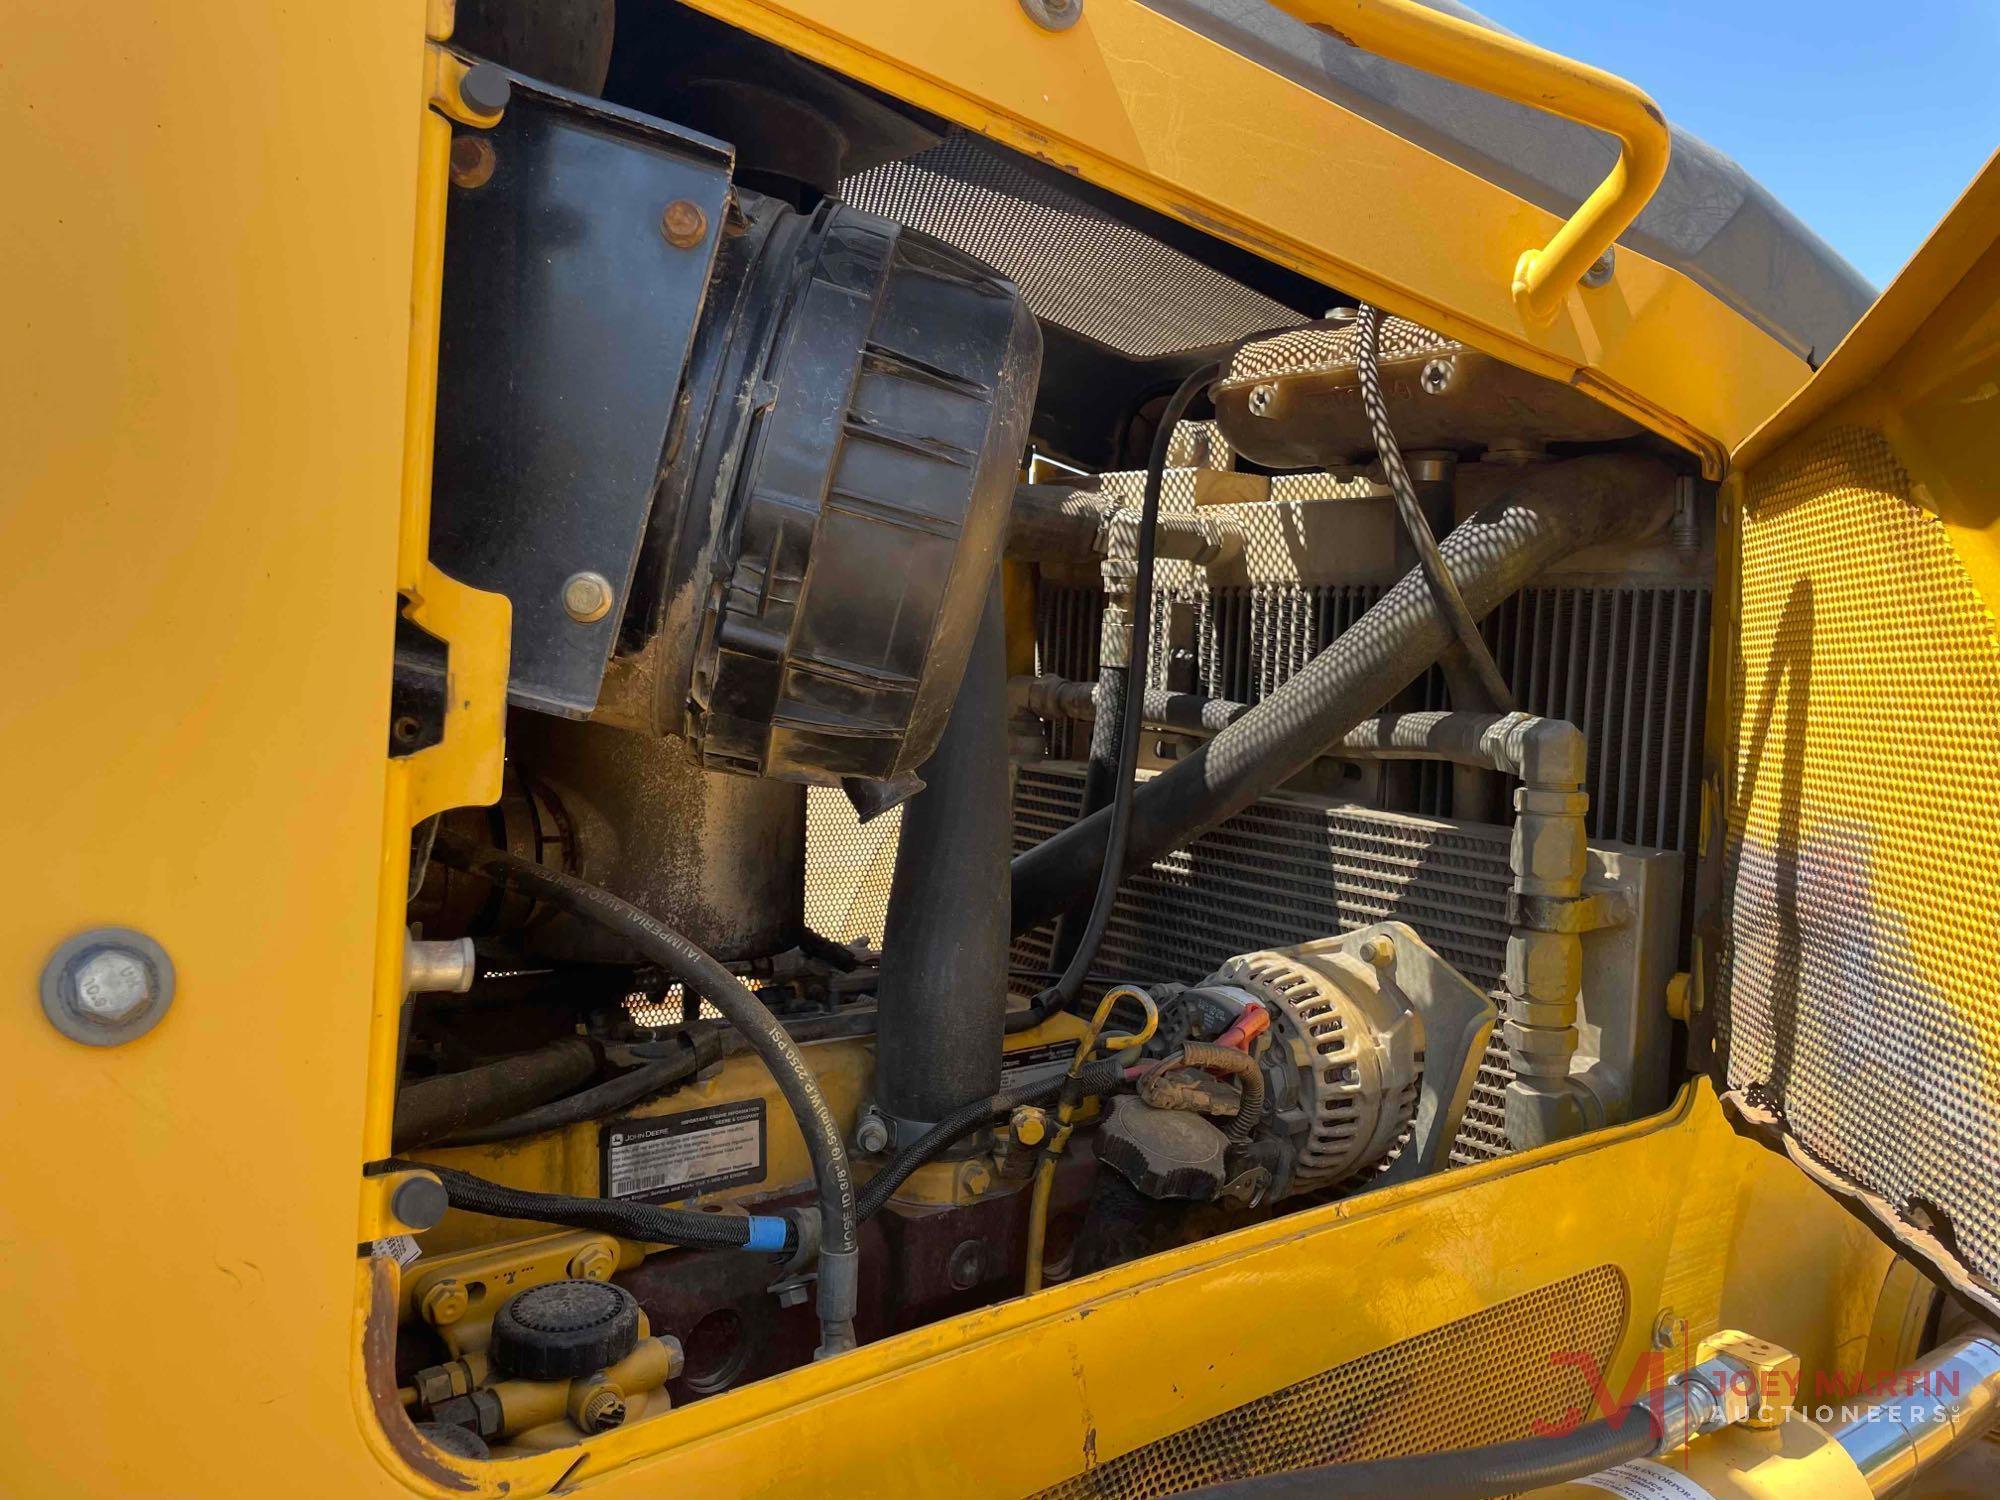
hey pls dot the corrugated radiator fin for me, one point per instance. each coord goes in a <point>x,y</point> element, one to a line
<point>1411,1397</point>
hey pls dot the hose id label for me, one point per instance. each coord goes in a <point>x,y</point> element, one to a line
<point>1642,1479</point>
<point>1023,1063</point>
<point>677,1156</point>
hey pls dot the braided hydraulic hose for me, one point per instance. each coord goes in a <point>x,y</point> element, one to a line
<point>1450,603</point>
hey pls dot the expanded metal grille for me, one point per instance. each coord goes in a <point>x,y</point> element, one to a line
<point>1395,1401</point>
<point>849,865</point>
<point>1290,869</point>
<point>1862,952</point>
<point>1075,265</point>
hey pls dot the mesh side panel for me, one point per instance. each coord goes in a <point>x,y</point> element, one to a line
<point>848,866</point>
<point>1290,869</point>
<point>1862,949</point>
<point>1396,1401</point>
<point>1325,348</point>
<point>1074,265</point>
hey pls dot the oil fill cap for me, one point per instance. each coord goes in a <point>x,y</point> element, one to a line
<point>565,1330</point>
<point>1164,1153</point>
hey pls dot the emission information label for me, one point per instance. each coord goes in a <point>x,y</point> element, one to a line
<point>1642,1479</point>
<point>1023,1062</point>
<point>677,1156</point>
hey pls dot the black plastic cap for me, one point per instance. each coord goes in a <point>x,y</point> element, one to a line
<point>1164,1153</point>
<point>565,1330</point>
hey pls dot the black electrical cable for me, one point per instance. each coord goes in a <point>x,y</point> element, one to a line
<point>632,1221</point>
<point>699,971</point>
<point>1059,995</point>
<point>1461,1474</point>
<point>600,1100</point>
<point>1444,589</point>
<point>1095,1078</point>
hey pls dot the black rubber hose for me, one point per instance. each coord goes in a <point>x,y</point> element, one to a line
<point>632,1221</point>
<point>1118,816</point>
<point>661,945</point>
<point>433,1108</point>
<point>1100,1077</point>
<point>1553,512</point>
<point>607,1098</point>
<point>1462,1474</point>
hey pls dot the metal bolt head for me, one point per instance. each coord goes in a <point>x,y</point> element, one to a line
<point>1378,950</point>
<point>1262,398</point>
<point>586,597</point>
<point>1602,269</point>
<point>1436,377</point>
<point>445,1303</point>
<point>975,1177</point>
<point>1054,15</point>
<point>871,1133</point>
<point>1029,1125</point>
<point>684,224</point>
<point>1668,1329</point>
<point>107,986</point>
<point>593,1263</point>
<point>472,161</point>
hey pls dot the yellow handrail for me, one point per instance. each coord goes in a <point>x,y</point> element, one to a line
<point>1406,32</point>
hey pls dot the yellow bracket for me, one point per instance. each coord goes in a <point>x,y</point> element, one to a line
<point>1406,32</point>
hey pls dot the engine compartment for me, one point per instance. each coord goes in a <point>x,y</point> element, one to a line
<point>822,647</point>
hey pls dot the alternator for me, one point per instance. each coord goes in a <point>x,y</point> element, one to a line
<point>1346,1060</point>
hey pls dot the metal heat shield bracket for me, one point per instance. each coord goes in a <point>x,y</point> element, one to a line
<point>567,319</point>
<point>1458,1019</point>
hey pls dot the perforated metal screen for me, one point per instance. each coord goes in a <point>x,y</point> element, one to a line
<point>1411,1397</point>
<point>1076,266</point>
<point>1861,961</point>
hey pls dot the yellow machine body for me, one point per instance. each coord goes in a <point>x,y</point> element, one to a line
<point>224,262</point>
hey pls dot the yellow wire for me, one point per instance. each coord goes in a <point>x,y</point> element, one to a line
<point>1045,1171</point>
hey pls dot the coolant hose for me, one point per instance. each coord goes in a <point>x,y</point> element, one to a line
<point>607,1098</point>
<point>632,1221</point>
<point>1553,512</point>
<point>839,1284</point>
<point>1462,1474</point>
<point>434,1108</point>
<point>1096,1078</point>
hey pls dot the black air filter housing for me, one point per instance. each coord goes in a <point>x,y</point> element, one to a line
<point>742,471</point>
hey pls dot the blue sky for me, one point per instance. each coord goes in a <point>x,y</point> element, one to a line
<point>1865,120</point>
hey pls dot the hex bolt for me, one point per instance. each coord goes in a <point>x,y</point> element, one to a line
<point>445,1303</point>
<point>1436,377</point>
<point>1054,15</point>
<point>975,1177</point>
<point>1028,1125</point>
<point>684,224</point>
<point>586,597</point>
<point>1602,269</point>
<point>472,161</point>
<point>871,1133</point>
<point>107,985</point>
<point>1379,950</point>
<point>1667,1328</point>
<point>593,1263</point>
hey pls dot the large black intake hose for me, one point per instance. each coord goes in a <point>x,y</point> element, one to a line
<point>1551,513</point>
<point>1464,1474</point>
<point>942,998</point>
